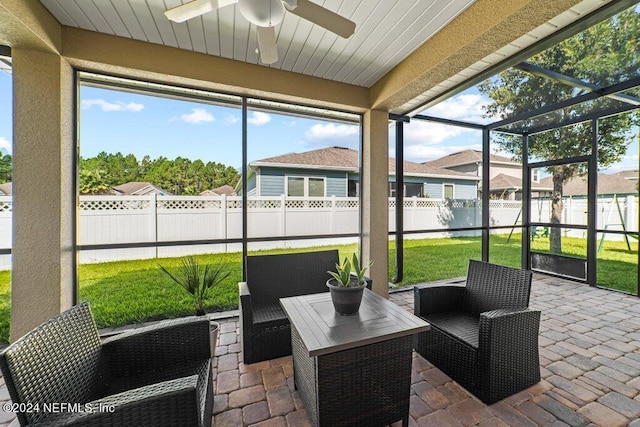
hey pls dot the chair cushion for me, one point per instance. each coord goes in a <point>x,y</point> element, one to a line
<point>268,313</point>
<point>459,324</point>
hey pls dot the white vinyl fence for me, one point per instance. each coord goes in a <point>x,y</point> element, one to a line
<point>136,219</point>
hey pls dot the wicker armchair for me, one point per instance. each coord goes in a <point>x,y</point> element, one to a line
<point>264,327</point>
<point>157,375</point>
<point>482,334</point>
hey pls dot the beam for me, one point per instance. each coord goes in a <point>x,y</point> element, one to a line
<point>498,33</point>
<point>485,27</point>
<point>573,82</point>
<point>28,25</point>
<point>102,53</point>
<point>610,90</point>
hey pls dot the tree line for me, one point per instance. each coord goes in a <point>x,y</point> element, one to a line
<point>5,168</point>
<point>180,176</point>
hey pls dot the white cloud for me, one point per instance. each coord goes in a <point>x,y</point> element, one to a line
<point>289,124</point>
<point>231,119</point>
<point>420,132</point>
<point>259,118</point>
<point>197,116</point>
<point>133,107</point>
<point>627,163</point>
<point>332,131</point>
<point>465,107</point>
<point>5,144</point>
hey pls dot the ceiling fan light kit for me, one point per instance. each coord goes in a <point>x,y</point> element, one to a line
<point>266,14</point>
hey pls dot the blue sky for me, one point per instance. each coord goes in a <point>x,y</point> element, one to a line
<point>114,121</point>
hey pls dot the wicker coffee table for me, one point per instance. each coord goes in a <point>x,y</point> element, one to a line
<point>352,370</point>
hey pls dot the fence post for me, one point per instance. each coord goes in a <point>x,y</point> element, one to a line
<point>332,216</point>
<point>631,220</point>
<point>153,213</point>
<point>222,212</point>
<point>283,215</point>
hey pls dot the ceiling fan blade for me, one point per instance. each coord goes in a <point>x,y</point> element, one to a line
<point>323,17</point>
<point>195,8</point>
<point>267,45</point>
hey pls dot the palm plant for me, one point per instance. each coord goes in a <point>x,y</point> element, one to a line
<point>197,279</point>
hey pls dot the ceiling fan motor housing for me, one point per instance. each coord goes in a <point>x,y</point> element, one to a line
<point>263,13</point>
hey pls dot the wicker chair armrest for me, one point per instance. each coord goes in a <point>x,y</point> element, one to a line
<point>173,402</point>
<point>153,347</point>
<point>437,298</point>
<point>246,305</point>
<point>243,289</point>
<point>519,326</point>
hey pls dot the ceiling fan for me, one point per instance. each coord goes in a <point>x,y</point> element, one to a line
<point>266,14</point>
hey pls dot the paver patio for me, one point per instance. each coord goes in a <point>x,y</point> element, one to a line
<point>590,365</point>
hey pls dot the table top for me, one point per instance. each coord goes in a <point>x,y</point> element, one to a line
<point>324,331</point>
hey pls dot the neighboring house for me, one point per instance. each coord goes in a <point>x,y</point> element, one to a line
<point>607,185</point>
<point>334,171</point>
<point>226,190</point>
<point>470,161</point>
<point>505,175</point>
<point>5,189</point>
<point>507,187</point>
<point>138,189</point>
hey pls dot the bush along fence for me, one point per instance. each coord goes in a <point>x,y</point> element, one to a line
<point>136,219</point>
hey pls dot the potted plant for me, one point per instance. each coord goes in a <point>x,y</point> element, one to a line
<point>347,285</point>
<point>197,280</point>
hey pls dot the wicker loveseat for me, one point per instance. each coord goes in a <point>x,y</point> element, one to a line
<point>482,334</point>
<point>157,375</point>
<point>264,327</point>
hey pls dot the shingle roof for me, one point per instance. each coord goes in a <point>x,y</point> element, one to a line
<point>607,184</point>
<point>465,157</point>
<point>504,181</point>
<point>629,174</point>
<point>5,189</point>
<point>340,157</point>
<point>227,190</point>
<point>134,187</point>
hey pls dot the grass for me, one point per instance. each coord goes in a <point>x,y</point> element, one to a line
<point>126,292</point>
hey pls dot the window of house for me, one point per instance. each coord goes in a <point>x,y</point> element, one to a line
<point>536,175</point>
<point>413,190</point>
<point>353,188</point>
<point>298,186</point>
<point>410,190</point>
<point>448,191</point>
<point>316,187</point>
<point>295,186</point>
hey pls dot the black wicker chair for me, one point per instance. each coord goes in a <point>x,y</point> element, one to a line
<point>156,375</point>
<point>264,327</point>
<point>482,334</point>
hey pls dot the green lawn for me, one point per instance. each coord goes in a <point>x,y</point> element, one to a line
<point>127,292</point>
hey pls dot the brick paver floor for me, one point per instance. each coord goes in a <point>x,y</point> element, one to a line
<point>589,356</point>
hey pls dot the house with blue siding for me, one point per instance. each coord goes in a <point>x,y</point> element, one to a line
<point>334,171</point>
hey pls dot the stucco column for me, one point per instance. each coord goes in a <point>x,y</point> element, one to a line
<point>43,194</point>
<point>375,198</point>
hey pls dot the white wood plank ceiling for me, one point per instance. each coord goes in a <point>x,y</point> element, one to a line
<point>386,32</point>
